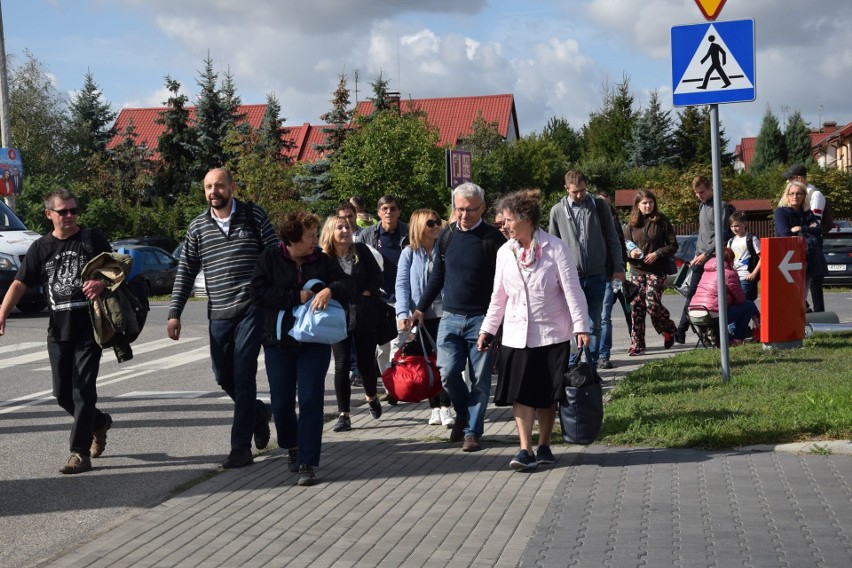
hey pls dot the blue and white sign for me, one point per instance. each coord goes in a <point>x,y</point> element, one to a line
<point>713,63</point>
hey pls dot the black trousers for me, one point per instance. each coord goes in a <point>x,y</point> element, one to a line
<point>697,272</point>
<point>365,351</point>
<point>74,366</point>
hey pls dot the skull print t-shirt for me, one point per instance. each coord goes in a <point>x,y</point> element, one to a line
<point>56,265</point>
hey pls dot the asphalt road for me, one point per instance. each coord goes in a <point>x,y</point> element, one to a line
<point>171,426</point>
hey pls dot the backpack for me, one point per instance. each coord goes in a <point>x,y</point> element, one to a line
<point>134,291</point>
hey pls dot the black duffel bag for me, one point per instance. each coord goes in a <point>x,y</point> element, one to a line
<point>581,410</point>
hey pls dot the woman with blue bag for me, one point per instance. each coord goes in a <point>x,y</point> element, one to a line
<point>297,366</point>
<point>356,260</point>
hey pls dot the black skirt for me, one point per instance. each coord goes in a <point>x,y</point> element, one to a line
<point>531,376</point>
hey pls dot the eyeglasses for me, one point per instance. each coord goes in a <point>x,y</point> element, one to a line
<point>431,223</point>
<point>463,210</point>
<point>66,212</point>
<point>796,194</point>
<point>386,209</point>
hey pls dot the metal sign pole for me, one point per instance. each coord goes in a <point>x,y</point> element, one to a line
<point>719,230</point>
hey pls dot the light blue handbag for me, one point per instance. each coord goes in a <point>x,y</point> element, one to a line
<point>326,326</point>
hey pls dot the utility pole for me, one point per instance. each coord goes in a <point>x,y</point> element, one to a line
<point>5,114</point>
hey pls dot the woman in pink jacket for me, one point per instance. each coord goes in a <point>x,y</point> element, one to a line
<point>538,299</point>
<point>740,309</point>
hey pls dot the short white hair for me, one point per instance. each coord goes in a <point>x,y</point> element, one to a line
<point>468,190</point>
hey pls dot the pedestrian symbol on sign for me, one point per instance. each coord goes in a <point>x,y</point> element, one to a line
<point>713,66</point>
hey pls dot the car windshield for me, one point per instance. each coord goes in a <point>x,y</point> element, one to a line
<point>9,221</point>
<point>837,245</point>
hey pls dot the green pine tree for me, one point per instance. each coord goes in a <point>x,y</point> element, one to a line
<point>797,137</point>
<point>609,130</point>
<point>653,143</point>
<point>91,123</point>
<point>176,146</point>
<point>769,148</point>
<point>568,140</point>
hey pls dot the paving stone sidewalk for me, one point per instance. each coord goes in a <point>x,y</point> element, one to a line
<point>395,492</point>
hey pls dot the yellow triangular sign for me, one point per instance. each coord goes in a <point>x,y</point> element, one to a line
<point>710,8</point>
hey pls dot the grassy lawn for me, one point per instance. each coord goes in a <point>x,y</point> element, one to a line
<point>773,397</point>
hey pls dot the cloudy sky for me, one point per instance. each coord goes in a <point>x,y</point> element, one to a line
<point>553,56</point>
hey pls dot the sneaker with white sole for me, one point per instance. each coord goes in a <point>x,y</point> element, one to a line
<point>523,461</point>
<point>435,417</point>
<point>447,418</point>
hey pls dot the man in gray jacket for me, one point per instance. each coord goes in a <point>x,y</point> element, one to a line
<point>585,224</point>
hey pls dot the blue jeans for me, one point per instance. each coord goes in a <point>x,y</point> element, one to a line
<point>234,347</point>
<point>594,288</point>
<point>299,369</point>
<point>606,322</point>
<point>457,337</point>
<point>739,315</point>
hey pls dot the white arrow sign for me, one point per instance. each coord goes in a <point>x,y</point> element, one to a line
<point>786,266</point>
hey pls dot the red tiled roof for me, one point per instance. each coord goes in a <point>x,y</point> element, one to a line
<point>454,116</point>
<point>761,205</point>
<point>745,150</point>
<point>147,129</point>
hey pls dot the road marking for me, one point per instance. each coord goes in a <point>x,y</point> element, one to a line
<point>163,394</point>
<point>21,346</point>
<point>42,355</point>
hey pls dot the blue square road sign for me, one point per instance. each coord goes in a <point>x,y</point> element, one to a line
<point>713,63</point>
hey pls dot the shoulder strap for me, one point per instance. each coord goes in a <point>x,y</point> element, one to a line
<point>752,253</point>
<point>252,222</point>
<point>446,238</point>
<point>86,238</point>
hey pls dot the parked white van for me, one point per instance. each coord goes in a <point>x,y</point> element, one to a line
<point>15,240</point>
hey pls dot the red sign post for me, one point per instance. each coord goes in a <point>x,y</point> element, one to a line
<point>782,291</point>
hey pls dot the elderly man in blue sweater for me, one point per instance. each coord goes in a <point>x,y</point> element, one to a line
<point>464,270</point>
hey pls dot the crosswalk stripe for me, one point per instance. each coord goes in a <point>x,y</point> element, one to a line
<point>20,346</point>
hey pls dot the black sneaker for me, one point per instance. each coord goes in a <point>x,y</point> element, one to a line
<point>544,456</point>
<point>523,461</point>
<point>604,363</point>
<point>76,463</point>
<point>306,476</point>
<point>292,455</point>
<point>680,337</point>
<point>261,425</point>
<point>239,457</point>
<point>457,433</point>
<point>99,437</point>
<point>344,424</point>
<point>375,407</point>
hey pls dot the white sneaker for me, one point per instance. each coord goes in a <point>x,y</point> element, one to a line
<point>435,418</point>
<point>447,418</point>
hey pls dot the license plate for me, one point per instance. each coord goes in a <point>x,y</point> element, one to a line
<point>836,267</point>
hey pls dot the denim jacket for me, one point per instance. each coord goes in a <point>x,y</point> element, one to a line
<point>411,277</point>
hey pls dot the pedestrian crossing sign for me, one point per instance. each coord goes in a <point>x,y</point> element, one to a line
<point>713,63</point>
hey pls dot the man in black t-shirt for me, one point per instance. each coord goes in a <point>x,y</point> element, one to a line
<point>56,262</point>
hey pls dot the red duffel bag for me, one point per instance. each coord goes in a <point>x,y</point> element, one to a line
<point>412,377</point>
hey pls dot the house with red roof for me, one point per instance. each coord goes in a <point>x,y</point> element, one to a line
<point>452,116</point>
<point>831,147</point>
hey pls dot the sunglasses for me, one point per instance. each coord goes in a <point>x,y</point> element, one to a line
<point>431,223</point>
<point>66,212</point>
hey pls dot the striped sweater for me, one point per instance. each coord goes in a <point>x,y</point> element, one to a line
<point>227,260</point>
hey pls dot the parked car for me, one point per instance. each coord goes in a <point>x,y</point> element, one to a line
<point>15,240</point>
<point>159,268</point>
<point>837,249</point>
<point>840,225</point>
<point>199,287</point>
<point>165,243</point>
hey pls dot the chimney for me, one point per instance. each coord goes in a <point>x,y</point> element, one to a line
<point>829,126</point>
